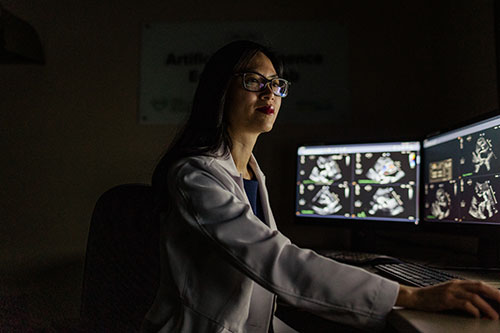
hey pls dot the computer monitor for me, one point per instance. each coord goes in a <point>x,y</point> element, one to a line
<point>461,185</point>
<point>358,182</point>
<point>462,175</point>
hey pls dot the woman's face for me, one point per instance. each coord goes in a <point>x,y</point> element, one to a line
<point>250,112</point>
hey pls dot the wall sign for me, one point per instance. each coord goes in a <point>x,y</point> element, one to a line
<point>315,56</point>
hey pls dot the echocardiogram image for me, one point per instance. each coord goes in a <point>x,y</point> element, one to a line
<point>324,169</point>
<point>480,199</point>
<point>442,201</point>
<point>385,201</point>
<point>324,199</point>
<point>385,168</point>
<point>480,153</point>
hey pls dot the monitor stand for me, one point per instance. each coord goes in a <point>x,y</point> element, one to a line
<point>488,250</point>
<point>363,240</point>
<point>487,254</point>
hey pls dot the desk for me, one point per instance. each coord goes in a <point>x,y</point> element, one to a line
<point>403,320</point>
<point>418,321</point>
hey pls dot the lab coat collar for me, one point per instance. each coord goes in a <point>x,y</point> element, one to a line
<point>227,162</point>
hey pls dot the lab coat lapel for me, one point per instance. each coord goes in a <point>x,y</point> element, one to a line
<point>227,163</point>
<point>266,207</point>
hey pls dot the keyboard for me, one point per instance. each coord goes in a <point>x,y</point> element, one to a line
<point>414,274</point>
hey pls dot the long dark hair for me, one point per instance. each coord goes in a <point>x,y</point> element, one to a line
<point>205,132</point>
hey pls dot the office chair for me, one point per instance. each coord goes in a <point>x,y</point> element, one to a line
<point>122,262</point>
<point>122,267</point>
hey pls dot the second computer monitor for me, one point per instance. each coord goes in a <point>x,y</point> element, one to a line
<point>369,181</point>
<point>462,174</point>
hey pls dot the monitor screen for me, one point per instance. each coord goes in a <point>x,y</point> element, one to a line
<point>462,174</point>
<point>369,181</point>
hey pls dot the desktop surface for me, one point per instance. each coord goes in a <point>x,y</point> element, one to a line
<point>404,320</point>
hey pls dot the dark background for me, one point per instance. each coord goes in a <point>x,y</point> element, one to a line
<point>69,128</point>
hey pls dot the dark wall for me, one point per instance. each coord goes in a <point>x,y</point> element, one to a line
<point>69,129</point>
<point>414,69</point>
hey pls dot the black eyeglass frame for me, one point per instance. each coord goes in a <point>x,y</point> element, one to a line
<point>267,81</point>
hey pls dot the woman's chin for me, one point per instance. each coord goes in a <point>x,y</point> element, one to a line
<point>267,129</point>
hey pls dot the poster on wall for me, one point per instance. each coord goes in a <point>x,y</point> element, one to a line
<point>315,55</point>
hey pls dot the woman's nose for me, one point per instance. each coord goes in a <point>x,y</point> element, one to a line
<point>267,93</point>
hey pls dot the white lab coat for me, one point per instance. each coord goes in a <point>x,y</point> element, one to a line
<point>222,266</point>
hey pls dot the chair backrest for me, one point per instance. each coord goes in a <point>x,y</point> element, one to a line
<point>122,263</point>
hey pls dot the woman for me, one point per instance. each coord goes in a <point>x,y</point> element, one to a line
<point>223,260</point>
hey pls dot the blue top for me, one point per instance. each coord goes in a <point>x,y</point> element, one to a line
<point>253,195</point>
<point>252,190</point>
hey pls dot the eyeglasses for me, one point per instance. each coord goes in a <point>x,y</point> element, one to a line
<point>257,82</point>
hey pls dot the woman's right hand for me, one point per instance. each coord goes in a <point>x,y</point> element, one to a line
<point>465,295</point>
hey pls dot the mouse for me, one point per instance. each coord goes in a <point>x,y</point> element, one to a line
<point>360,258</point>
<point>494,304</point>
<point>383,259</point>
<point>462,313</point>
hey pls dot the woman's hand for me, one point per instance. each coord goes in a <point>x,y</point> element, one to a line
<point>466,295</point>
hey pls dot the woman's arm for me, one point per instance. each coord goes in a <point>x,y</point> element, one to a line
<point>211,204</point>
<point>466,295</point>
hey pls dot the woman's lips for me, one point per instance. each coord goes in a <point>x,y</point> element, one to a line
<point>268,109</point>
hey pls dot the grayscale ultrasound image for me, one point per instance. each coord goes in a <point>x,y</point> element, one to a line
<point>324,199</point>
<point>483,204</point>
<point>324,169</point>
<point>326,202</point>
<point>482,154</point>
<point>384,201</point>
<point>443,202</point>
<point>440,208</point>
